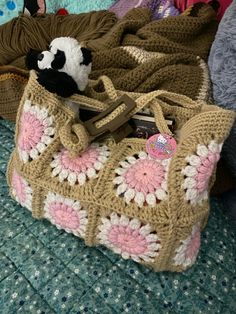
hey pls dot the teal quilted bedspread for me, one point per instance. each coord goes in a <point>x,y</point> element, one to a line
<point>10,9</point>
<point>45,270</point>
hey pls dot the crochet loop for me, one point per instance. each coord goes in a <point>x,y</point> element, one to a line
<point>74,138</point>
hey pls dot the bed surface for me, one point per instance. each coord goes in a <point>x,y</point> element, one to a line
<point>45,270</point>
<point>11,9</point>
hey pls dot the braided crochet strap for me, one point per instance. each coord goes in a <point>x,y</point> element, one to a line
<point>109,89</point>
<point>159,107</point>
<point>96,100</point>
<point>77,137</point>
<point>89,102</point>
<point>160,120</point>
<point>185,107</point>
<point>74,138</point>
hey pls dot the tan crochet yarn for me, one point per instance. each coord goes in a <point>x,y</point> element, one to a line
<point>24,32</point>
<point>174,62</point>
<point>145,209</point>
<point>12,84</point>
<point>136,70</point>
<point>190,33</point>
<point>101,30</point>
<point>145,71</point>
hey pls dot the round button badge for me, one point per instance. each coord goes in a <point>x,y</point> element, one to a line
<point>161,146</point>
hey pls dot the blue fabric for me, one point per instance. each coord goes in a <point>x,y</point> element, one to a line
<point>11,9</point>
<point>45,270</point>
<point>222,65</point>
<point>78,6</point>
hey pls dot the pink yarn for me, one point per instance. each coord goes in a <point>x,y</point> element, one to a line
<point>19,187</point>
<point>145,176</point>
<point>127,239</point>
<point>64,215</point>
<point>31,131</point>
<point>193,246</point>
<point>204,171</point>
<point>79,163</point>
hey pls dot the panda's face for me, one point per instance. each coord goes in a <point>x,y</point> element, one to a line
<point>45,60</point>
<point>68,51</point>
<point>64,52</point>
<point>50,60</point>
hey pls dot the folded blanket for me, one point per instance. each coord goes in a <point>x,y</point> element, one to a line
<point>159,8</point>
<point>170,60</point>
<point>135,70</point>
<point>136,53</point>
<point>192,33</point>
<point>25,32</point>
<point>179,34</point>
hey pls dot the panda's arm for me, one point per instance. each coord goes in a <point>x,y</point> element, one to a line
<point>57,82</point>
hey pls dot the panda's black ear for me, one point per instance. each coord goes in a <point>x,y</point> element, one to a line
<point>87,56</point>
<point>57,82</point>
<point>31,60</point>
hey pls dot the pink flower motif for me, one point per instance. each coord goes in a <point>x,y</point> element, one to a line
<point>142,179</point>
<point>199,171</point>
<point>187,252</point>
<point>129,238</point>
<point>31,131</point>
<point>66,214</point>
<point>35,131</point>
<point>21,190</point>
<point>81,167</point>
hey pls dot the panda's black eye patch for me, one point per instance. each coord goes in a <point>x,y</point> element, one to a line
<point>59,60</point>
<point>40,57</point>
<point>87,56</point>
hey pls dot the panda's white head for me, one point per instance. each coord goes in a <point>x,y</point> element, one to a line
<point>71,58</point>
<point>45,60</point>
<point>66,55</point>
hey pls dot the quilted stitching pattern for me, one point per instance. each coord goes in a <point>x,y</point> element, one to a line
<point>44,270</point>
<point>11,9</point>
<point>76,6</point>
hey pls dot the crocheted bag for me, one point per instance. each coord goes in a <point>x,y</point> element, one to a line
<point>145,209</point>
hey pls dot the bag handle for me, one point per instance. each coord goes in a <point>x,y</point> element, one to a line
<point>109,89</point>
<point>115,117</point>
<point>74,137</point>
<point>94,99</point>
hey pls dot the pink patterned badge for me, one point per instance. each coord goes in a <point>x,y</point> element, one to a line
<point>161,146</point>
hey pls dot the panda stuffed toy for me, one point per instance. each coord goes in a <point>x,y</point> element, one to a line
<point>64,68</point>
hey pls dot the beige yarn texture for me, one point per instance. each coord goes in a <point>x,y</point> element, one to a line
<point>12,83</point>
<point>171,219</point>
